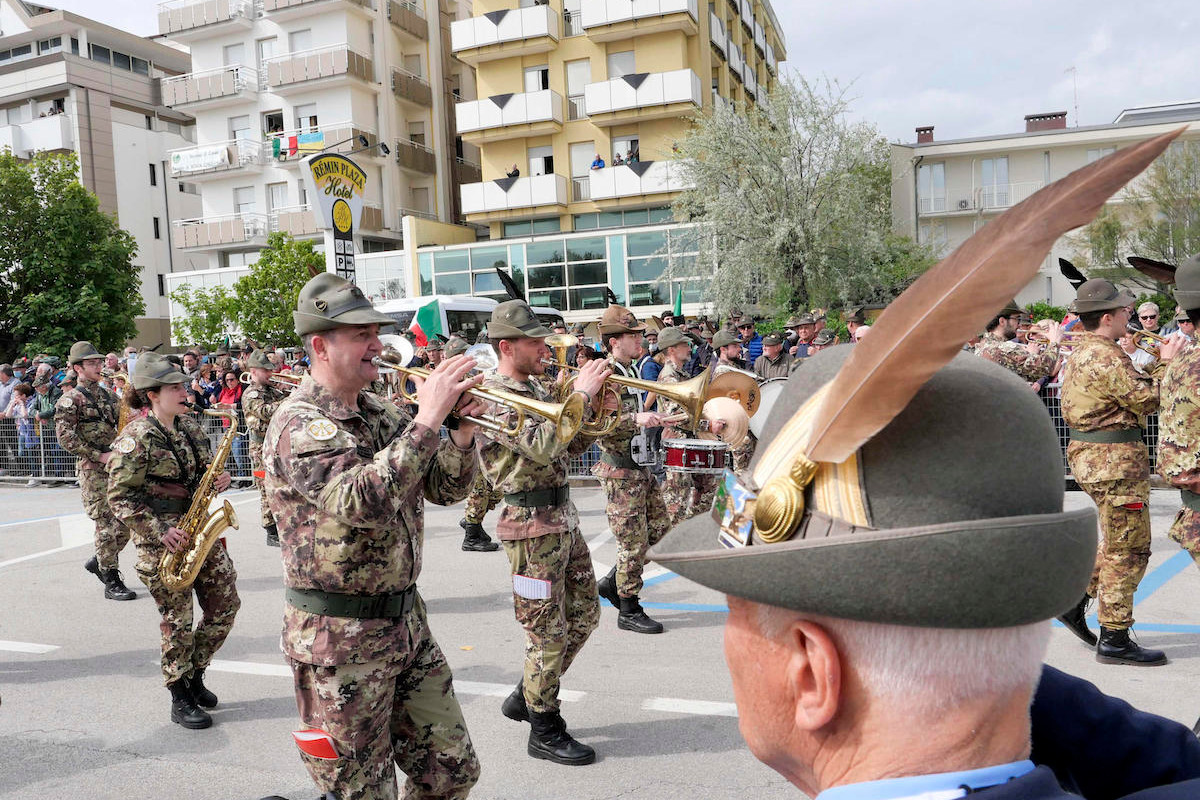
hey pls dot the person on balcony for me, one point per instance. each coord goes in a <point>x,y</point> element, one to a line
<point>515,172</point>
<point>598,163</point>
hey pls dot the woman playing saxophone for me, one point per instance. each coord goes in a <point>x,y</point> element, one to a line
<point>159,461</point>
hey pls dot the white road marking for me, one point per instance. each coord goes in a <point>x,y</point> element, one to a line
<point>76,530</point>
<point>600,567</point>
<point>32,556</point>
<point>27,647</point>
<point>599,539</point>
<point>250,668</point>
<point>705,708</point>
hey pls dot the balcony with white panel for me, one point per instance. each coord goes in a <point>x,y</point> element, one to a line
<point>736,62</point>
<point>772,64</point>
<point>610,20</point>
<point>641,180</point>
<point>746,10</point>
<point>510,116</point>
<point>221,231</point>
<point>217,160</point>
<point>718,35</point>
<point>189,20</point>
<point>283,10</point>
<point>750,79</point>
<point>760,38</point>
<point>505,34</point>
<point>513,194</point>
<point>212,88</point>
<point>335,66</point>
<point>51,133</point>
<point>643,96</point>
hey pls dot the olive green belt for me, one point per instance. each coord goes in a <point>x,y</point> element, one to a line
<point>168,505</point>
<point>1190,499</point>
<point>620,462</point>
<point>538,498</point>
<point>363,606</point>
<point>1107,437</point>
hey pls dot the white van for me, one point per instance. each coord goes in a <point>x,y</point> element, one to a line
<point>461,314</point>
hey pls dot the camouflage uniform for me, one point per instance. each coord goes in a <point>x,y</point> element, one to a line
<point>1103,392</point>
<point>637,515</point>
<point>1014,357</point>
<point>347,487</point>
<point>542,542</point>
<point>482,499</point>
<point>685,494</point>
<point>85,420</point>
<point>1179,441</point>
<point>151,478</point>
<point>258,405</point>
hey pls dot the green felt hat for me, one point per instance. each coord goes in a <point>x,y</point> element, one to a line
<point>329,301</point>
<point>258,360</point>
<point>82,351</point>
<point>724,337</point>
<point>514,319</point>
<point>669,337</point>
<point>922,526</point>
<point>456,346</point>
<point>1099,295</point>
<point>154,370</point>
<point>1187,283</point>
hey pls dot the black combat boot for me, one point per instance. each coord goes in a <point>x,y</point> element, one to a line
<point>606,587</point>
<point>272,535</point>
<point>633,618</point>
<point>1116,647</point>
<point>114,587</point>
<point>184,710</point>
<point>549,740</point>
<point>1075,621</point>
<point>200,693</point>
<point>92,565</point>
<point>476,539</point>
<point>514,706</point>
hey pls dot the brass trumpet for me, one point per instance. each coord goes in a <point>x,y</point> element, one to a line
<point>1038,336</point>
<point>1147,342</point>
<point>285,382</point>
<point>567,416</point>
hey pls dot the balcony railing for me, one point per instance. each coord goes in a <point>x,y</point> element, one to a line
<point>634,180</point>
<point>542,109</point>
<point>717,34</point>
<point>772,65</point>
<point>230,83</point>
<point>293,145</point>
<point>296,220</point>
<point>273,7</point>
<point>760,38</point>
<point>467,171</point>
<point>736,62</point>
<point>322,62</point>
<point>416,212</point>
<point>183,16</point>
<point>219,157</point>
<point>514,193</point>
<point>55,132</point>
<point>1003,195</point>
<point>410,87</point>
<point>572,23</point>
<point>747,15</point>
<point>576,107</point>
<point>652,16</point>
<point>513,32</point>
<point>581,189</point>
<point>407,17</point>
<point>415,157</point>
<point>372,217</point>
<point>750,79</point>
<point>643,91</point>
<point>220,230</point>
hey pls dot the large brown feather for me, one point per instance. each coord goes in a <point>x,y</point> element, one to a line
<point>1157,270</point>
<point>924,328</point>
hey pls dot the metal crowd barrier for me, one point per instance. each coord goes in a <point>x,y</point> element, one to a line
<point>29,451</point>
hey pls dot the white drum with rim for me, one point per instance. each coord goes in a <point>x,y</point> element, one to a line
<point>770,392</point>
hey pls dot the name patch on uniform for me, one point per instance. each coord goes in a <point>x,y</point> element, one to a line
<point>65,403</point>
<point>321,429</point>
<point>531,588</point>
<point>123,445</point>
<point>250,395</point>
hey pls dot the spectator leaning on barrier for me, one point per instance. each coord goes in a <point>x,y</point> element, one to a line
<point>18,411</point>
<point>8,428</point>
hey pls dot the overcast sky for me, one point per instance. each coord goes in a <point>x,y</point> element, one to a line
<point>968,68</point>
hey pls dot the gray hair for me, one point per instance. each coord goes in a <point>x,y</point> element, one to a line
<point>928,670</point>
<point>1148,306</point>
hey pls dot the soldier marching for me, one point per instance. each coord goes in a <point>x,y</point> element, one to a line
<point>259,403</point>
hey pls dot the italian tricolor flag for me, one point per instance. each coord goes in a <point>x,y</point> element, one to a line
<point>427,323</point>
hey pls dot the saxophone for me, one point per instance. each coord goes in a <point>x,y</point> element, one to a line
<point>179,570</point>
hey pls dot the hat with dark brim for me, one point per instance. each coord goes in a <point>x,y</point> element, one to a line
<point>514,319</point>
<point>1099,295</point>
<point>258,360</point>
<point>153,370</point>
<point>329,301</point>
<point>455,346</point>
<point>1187,283</point>
<point>618,319</point>
<point>973,548</point>
<point>772,339</point>
<point>669,337</point>
<point>82,351</point>
<point>724,337</point>
<point>824,338</point>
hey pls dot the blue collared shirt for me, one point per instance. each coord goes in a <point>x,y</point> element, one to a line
<point>942,785</point>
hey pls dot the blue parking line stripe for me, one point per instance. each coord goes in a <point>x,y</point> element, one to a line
<point>1161,574</point>
<point>666,576</point>
<point>688,607</point>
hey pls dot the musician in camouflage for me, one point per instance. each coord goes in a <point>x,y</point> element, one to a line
<point>347,474</point>
<point>554,587</point>
<point>728,360</point>
<point>1103,396</point>
<point>685,494</point>
<point>157,462</point>
<point>637,515</point>
<point>998,345</point>
<point>259,402</point>
<point>85,420</point>
<point>1179,417</point>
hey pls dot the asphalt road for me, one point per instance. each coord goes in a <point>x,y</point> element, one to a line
<point>84,713</point>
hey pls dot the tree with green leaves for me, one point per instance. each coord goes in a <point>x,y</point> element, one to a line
<point>261,303</point>
<point>66,267</point>
<point>795,203</point>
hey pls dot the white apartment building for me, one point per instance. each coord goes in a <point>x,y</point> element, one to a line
<point>70,84</point>
<point>944,191</point>
<point>275,80</point>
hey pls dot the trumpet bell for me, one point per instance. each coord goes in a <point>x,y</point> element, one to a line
<point>739,385</point>
<point>729,411</point>
<point>485,356</point>
<point>564,340</point>
<point>402,348</point>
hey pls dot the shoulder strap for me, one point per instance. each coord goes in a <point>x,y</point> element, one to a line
<point>184,474</point>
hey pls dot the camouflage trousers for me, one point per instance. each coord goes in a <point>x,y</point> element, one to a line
<point>638,518</point>
<point>1124,547</point>
<point>744,453</point>
<point>555,627</point>
<point>256,465</point>
<point>482,499</point>
<point>687,494</point>
<point>111,536</point>
<point>403,712</point>
<point>1186,531</point>
<point>185,649</point>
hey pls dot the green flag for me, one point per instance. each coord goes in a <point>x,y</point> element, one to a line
<point>427,323</point>
<point>678,310</point>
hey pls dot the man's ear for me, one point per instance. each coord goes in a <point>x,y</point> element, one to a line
<point>814,673</point>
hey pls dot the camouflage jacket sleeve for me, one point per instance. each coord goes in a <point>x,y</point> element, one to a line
<point>536,440</point>
<point>1102,390</point>
<point>76,432</point>
<point>127,491</point>
<point>1014,357</point>
<point>259,406</point>
<point>1179,418</point>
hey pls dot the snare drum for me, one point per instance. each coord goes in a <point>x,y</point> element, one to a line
<point>695,455</point>
<point>770,391</point>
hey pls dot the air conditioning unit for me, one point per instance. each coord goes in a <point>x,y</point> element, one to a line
<point>964,204</point>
